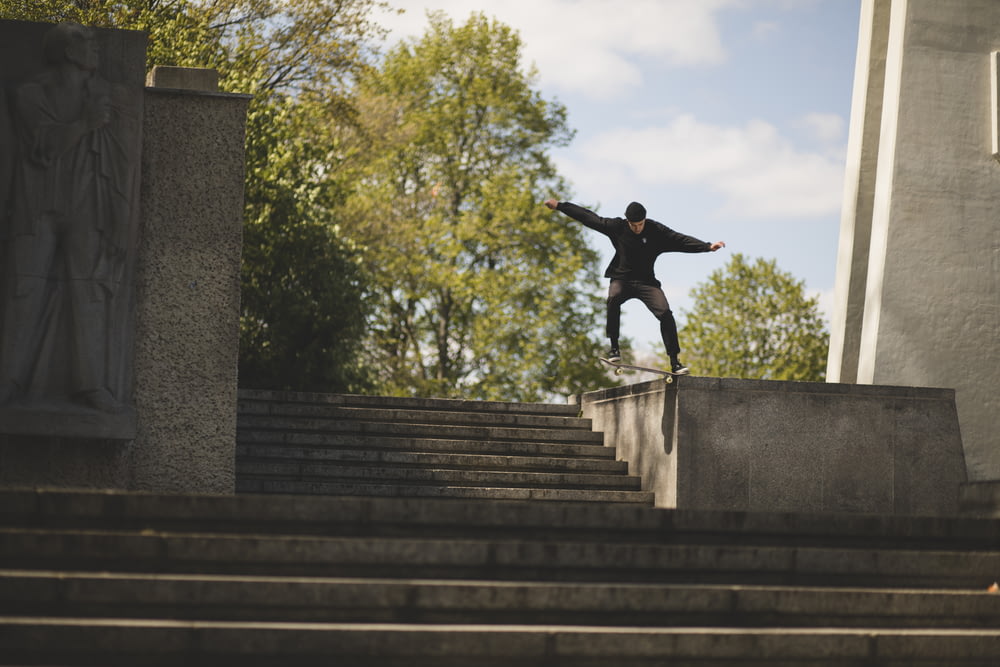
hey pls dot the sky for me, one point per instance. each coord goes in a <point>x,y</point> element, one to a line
<point>727,119</point>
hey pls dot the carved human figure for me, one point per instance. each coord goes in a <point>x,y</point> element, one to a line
<point>69,213</point>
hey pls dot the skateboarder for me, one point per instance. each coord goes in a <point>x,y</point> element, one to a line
<point>638,241</point>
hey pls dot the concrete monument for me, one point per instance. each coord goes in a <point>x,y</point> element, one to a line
<point>918,274</point>
<point>123,211</point>
<point>72,133</point>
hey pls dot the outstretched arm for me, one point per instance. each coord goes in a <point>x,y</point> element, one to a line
<point>581,214</point>
<point>673,241</point>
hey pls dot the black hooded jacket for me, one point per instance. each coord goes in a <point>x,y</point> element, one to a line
<point>635,254</point>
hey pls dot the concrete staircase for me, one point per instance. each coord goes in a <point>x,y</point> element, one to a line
<point>384,575</point>
<point>372,446</point>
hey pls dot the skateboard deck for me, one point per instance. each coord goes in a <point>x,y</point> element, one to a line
<point>668,376</point>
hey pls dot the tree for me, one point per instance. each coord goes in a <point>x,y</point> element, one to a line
<point>303,306</point>
<point>754,321</point>
<point>303,288</point>
<point>479,292</point>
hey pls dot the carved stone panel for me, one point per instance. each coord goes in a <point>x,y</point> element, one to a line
<point>70,147</point>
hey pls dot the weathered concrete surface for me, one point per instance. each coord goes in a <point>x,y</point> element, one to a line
<point>921,203</point>
<point>187,328</point>
<point>753,445</point>
<point>980,499</point>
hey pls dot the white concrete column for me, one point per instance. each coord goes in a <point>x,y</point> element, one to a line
<point>930,313</point>
<point>859,188</point>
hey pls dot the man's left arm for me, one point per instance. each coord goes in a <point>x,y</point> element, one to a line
<point>677,242</point>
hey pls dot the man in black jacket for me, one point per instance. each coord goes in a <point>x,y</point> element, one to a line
<point>637,242</point>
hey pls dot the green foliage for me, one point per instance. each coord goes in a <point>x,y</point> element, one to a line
<point>480,292</point>
<point>754,321</point>
<point>303,288</point>
<point>101,13</point>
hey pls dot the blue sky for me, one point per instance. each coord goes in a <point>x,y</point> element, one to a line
<point>727,119</point>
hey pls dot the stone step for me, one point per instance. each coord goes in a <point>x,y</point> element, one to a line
<point>399,490</point>
<point>431,459</point>
<point>73,641</point>
<point>436,431</point>
<point>345,445</point>
<point>309,411</point>
<point>251,400</point>
<point>394,531</point>
<point>155,579</point>
<point>492,559</point>
<point>413,517</point>
<point>331,600</point>
<point>427,475</point>
<point>403,442</point>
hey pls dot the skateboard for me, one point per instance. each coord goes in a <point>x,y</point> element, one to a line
<point>668,376</point>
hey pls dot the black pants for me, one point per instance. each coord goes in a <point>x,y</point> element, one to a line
<point>621,291</point>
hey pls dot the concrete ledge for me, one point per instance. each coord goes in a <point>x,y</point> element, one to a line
<point>756,445</point>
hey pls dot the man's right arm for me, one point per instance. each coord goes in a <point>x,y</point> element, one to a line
<point>581,214</point>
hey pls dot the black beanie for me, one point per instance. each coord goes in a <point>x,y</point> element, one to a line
<point>635,212</point>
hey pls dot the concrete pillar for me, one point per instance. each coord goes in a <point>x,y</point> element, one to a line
<point>859,192</point>
<point>921,233</point>
<point>188,283</point>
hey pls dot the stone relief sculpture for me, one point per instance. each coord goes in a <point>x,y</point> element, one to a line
<point>65,227</point>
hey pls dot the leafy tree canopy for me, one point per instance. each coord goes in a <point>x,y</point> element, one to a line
<point>755,321</point>
<point>479,291</point>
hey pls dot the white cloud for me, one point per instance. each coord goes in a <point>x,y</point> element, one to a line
<point>589,46</point>
<point>606,48</point>
<point>759,173</point>
<point>826,127</point>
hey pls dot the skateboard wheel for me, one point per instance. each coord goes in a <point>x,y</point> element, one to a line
<point>669,379</point>
<point>619,371</point>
